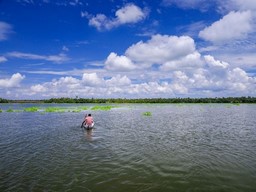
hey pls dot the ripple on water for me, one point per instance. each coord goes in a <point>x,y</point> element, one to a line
<point>178,148</point>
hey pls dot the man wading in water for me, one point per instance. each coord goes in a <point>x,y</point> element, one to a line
<point>88,122</point>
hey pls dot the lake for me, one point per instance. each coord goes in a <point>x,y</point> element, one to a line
<point>180,147</point>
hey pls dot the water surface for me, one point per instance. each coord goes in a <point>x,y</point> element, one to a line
<point>192,147</point>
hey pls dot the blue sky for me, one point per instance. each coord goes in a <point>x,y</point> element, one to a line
<point>127,49</point>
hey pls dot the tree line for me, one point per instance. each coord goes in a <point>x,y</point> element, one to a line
<point>140,100</point>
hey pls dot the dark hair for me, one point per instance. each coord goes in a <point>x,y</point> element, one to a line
<point>89,114</point>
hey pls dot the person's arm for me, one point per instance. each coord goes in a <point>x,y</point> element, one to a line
<point>82,123</point>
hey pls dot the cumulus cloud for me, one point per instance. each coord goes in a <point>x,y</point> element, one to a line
<point>190,61</point>
<point>239,80</point>
<point>206,80</point>
<point>119,63</point>
<point>118,81</point>
<point>169,52</point>
<point>38,88</point>
<point>60,58</point>
<point>160,49</point>
<point>215,63</point>
<point>235,25</point>
<point>130,13</point>
<point>92,79</point>
<point>89,85</point>
<point>5,30</point>
<point>14,81</point>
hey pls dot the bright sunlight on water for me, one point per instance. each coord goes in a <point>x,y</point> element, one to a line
<point>190,147</point>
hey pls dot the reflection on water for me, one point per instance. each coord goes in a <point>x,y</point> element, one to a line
<point>88,134</point>
<point>178,148</point>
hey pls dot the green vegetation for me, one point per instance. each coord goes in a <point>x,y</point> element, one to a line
<point>54,109</point>
<point>1,111</point>
<point>3,100</point>
<point>31,109</point>
<point>147,113</point>
<point>83,108</point>
<point>9,110</point>
<point>156,100</point>
<point>103,108</point>
<point>75,111</point>
<point>233,100</point>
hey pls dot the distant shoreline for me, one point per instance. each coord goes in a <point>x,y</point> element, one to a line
<point>233,100</point>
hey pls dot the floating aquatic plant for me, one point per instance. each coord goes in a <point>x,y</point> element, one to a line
<point>76,111</point>
<point>9,110</point>
<point>31,109</point>
<point>147,113</point>
<point>83,108</point>
<point>103,108</point>
<point>54,109</point>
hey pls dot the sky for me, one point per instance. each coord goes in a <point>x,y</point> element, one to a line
<point>127,48</point>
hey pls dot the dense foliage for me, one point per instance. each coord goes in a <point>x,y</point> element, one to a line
<point>3,100</point>
<point>155,100</point>
<point>145,100</point>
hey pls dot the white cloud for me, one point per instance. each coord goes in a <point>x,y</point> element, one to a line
<point>203,81</point>
<point>14,81</point>
<point>5,30</point>
<point>2,59</point>
<point>118,81</point>
<point>244,4</point>
<point>119,63</point>
<point>190,61</point>
<point>38,88</point>
<point>235,25</point>
<point>246,61</point>
<point>168,52</point>
<point>239,80</point>
<point>130,14</point>
<point>160,49</point>
<point>126,15</point>
<point>215,63</point>
<point>92,79</point>
<point>54,58</point>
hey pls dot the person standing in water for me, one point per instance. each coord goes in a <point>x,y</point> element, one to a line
<point>88,121</point>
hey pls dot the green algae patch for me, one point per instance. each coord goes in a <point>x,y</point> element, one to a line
<point>102,108</point>
<point>31,109</point>
<point>9,110</point>
<point>147,113</point>
<point>83,108</point>
<point>54,109</point>
<point>75,110</point>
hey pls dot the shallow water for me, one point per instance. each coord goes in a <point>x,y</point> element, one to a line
<point>179,148</point>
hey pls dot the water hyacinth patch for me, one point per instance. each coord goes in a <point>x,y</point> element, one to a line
<point>103,108</point>
<point>147,113</point>
<point>83,108</point>
<point>75,111</point>
<point>54,109</point>
<point>31,109</point>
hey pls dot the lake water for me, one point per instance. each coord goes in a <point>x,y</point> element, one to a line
<point>190,147</point>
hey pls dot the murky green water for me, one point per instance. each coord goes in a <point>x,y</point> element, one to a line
<point>178,148</point>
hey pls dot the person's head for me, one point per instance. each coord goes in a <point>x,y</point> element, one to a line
<point>89,114</point>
